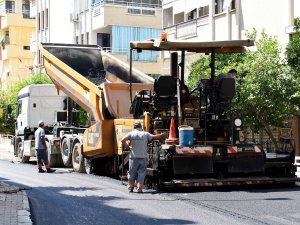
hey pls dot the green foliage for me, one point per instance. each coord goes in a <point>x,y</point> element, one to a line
<point>224,62</point>
<point>297,24</point>
<point>268,89</point>
<point>9,97</point>
<point>293,49</point>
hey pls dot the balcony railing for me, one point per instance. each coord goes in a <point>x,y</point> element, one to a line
<point>132,8</point>
<point>187,29</point>
<point>26,13</point>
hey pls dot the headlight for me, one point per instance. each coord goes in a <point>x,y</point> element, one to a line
<point>238,122</point>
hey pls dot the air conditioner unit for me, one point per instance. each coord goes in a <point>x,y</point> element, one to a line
<point>74,17</point>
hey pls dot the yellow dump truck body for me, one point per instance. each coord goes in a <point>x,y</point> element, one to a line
<point>82,73</point>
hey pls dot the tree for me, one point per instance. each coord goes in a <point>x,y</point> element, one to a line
<point>268,92</point>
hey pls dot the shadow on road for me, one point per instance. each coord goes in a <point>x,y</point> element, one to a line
<point>70,205</point>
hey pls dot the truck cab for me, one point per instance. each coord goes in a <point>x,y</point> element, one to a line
<point>34,103</point>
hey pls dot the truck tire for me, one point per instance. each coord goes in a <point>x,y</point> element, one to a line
<point>51,158</point>
<point>23,159</point>
<point>89,166</point>
<point>77,159</point>
<point>66,153</point>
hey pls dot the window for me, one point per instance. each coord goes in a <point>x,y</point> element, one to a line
<point>39,22</point>
<point>82,39</point>
<point>26,8</point>
<point>134,11</point>
<point>87,38</point>
<point>192,15</point>
<point>26,47</point>
<point>103,40</point>
<point>233,4</point>
<point>19,109</point>
<point>219,6</point>
<point>77,40</point>
<point>10,6</point>
<point>46,18</point>
<point>6,40</point>
<point>203,11</point>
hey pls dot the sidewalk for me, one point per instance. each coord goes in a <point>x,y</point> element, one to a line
<point>14,205</point>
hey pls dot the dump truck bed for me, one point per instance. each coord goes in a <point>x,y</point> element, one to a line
<point>87,75</point>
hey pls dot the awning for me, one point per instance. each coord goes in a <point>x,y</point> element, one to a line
<point>233,46</point>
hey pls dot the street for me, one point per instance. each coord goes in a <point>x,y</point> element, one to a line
<point>66,197</point>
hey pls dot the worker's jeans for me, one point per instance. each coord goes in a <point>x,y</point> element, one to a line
<point>137,170</point>
<point>42,156</point>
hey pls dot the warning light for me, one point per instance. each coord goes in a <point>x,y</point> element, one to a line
<point>164,36</point>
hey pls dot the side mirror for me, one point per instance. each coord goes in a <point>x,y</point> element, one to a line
<point>9,111</point>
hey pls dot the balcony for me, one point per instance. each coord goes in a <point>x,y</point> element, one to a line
<point>190,29</point>
<point>13,51</point>
<point>26,13</point>
<point>16,19</point>
<point>114,12</point>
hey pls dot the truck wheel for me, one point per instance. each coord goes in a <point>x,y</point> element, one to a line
<point>77,159</point>
<point>89,166</point>
<point>23,159</point>
<point>51,158</point>
<point>66,153</point>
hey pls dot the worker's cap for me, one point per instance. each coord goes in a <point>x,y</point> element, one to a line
<point>137,125</point>
<point>41,123</point>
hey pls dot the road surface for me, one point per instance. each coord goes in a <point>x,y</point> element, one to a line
<point>65,197</point>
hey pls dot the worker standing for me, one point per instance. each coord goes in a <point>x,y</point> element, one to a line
<point>138,160</point>
<point>41,149</point>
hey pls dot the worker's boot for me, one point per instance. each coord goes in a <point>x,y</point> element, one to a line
<point>49,170</point>
<point>130,187</point>
<point>41,170</point>
<point>140,187</point>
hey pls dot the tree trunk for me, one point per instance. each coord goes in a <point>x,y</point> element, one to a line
<point>267,128</point>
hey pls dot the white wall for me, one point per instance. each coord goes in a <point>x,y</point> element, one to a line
<point>270,15</point>
<point>296,8</point>
<point>60,26</point>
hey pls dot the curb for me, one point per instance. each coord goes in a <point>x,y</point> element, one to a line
<point>24,214</point>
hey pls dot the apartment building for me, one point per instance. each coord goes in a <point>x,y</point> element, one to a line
<point>15,28</point>
<point>110,24</point>
<point>53,24</point>
<point>206,20</point>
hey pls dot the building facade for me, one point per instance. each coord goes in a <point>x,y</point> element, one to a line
<point>53,24</point>
<point>206,20</point>
<point>110,24</point>
<point>16,27</point>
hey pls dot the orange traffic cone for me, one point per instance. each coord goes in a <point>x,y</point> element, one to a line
<point>172,140</point>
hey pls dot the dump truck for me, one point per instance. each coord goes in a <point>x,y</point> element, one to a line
<point>205,145</point>
<point>46,102</point>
